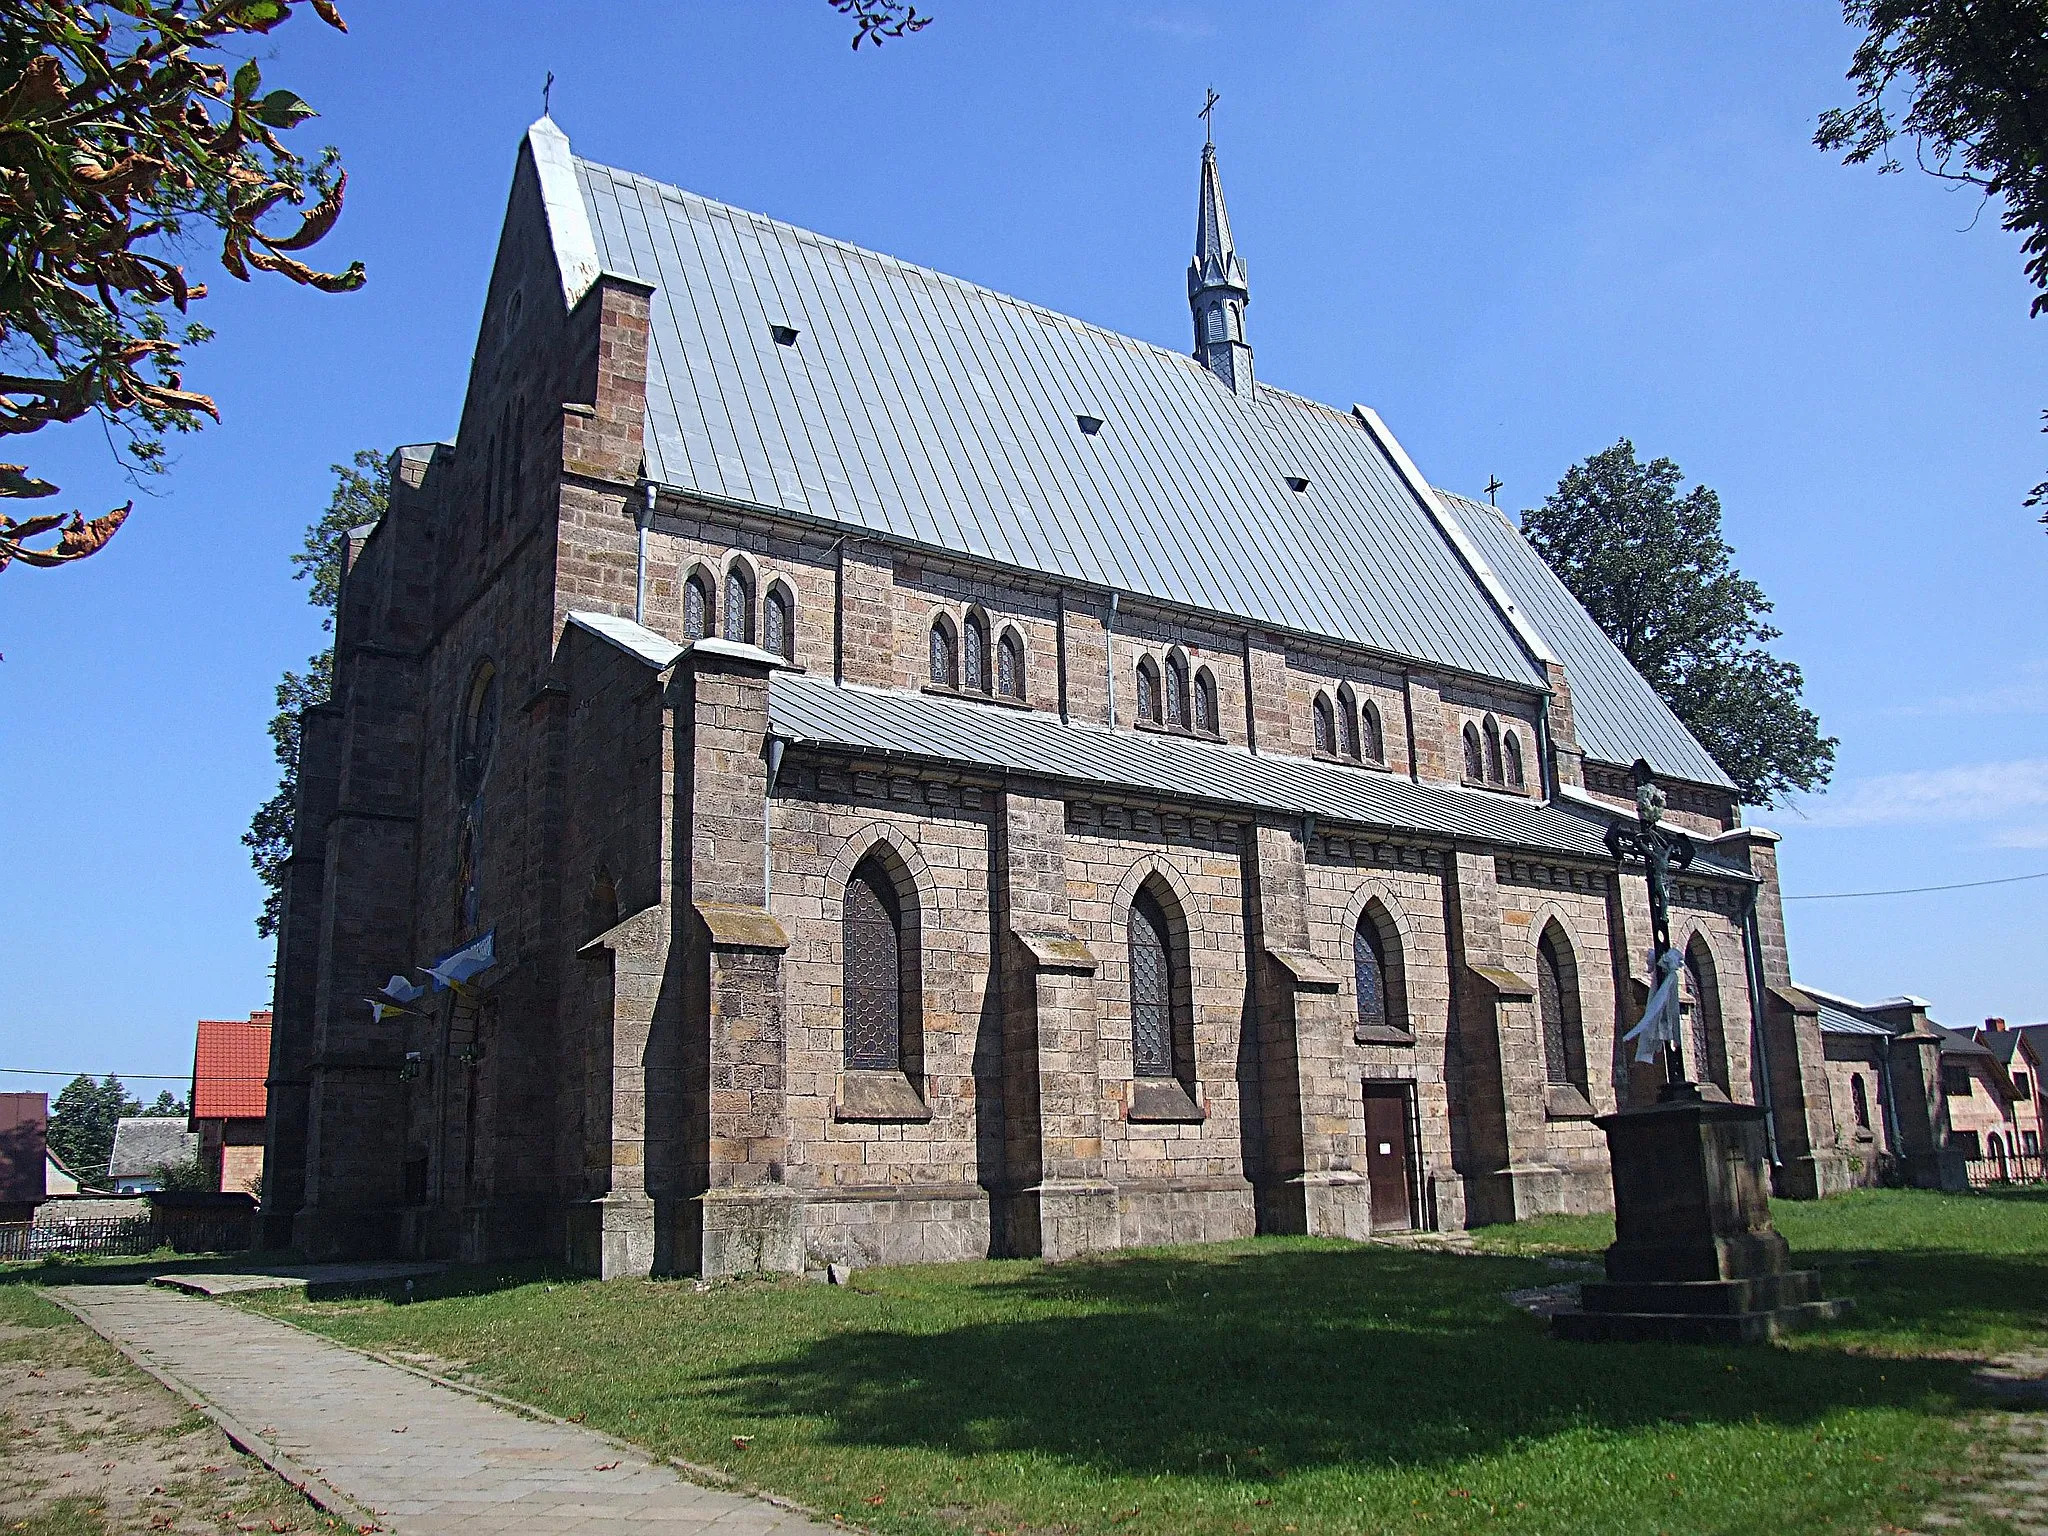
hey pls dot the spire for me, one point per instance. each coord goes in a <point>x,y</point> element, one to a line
<point>1218,288</point>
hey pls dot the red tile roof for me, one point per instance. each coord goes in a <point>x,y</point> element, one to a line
<point>228,1068</point>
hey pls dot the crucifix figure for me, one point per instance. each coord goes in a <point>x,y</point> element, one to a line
<point>1664,853</point>
<point>1493,484</point>
<point>1208,108</point>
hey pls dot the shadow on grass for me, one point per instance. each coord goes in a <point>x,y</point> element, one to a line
<point>1276,1361</point>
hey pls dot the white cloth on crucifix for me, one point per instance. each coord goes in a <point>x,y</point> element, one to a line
<point>1659,1026</point>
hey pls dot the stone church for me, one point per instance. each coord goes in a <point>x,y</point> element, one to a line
<point>944,779</point>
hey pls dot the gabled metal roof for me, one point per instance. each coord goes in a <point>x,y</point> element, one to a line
<point>1619,716</point>
<point>917,406</point>
<point>1180,769</point>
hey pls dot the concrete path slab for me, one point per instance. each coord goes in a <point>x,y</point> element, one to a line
<point>383,1446</point>
<point>225,1282</point>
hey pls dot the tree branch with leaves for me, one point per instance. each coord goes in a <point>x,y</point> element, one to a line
<point>124,127</point>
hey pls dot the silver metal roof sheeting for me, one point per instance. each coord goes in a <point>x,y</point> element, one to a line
<point>1837,1019</point>
<point>1619,716</point>
<point>922,407</point>
<point>804,709</point>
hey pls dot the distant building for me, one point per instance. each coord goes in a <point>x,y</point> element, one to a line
<point>143,1145</point>
<point>1990,1116</point>
<point>59,1181</point>
<point>229,1099</point>
<point>24,1151</point>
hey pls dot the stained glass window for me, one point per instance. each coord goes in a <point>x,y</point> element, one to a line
<point>1205,703</point>
<point>739,607</point>
<point>873,960</point>
<point>1326,725</point>
<point>1557,1007</point>
<point>1511,755</point>
<point>778,632</point>
<point>942,655</point>
<point>1010,667</point>
<point>1475,766</point>
<point>1176,691</point>
<point>1492,751</point>
<point>1369,964</point>
<point>974,661</point>
<point>1148,693</point>
<point>1152,984</point>
<point>696,608</point>
<point>1375,739</point>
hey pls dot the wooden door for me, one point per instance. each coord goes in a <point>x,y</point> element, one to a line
<point>1388,1166</point>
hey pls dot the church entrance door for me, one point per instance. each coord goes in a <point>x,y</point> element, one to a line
<point>1389,1159</point>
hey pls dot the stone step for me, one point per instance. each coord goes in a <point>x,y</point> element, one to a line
<point>1762,1293</point>
<point>1697,1327</point>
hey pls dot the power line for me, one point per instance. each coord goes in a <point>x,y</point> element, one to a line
<point>1918,890</point>
<point>154,1077</point>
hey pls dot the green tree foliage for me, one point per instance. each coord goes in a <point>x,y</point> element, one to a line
<point>168,1103</point>
<point>188,1175</point>
<point>1967,82</point>
<point>358,500</point>
<point>126,126</point>
<point>82,1123</point>
<point>1652,568</point>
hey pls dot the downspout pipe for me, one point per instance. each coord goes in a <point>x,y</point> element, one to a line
<point>1753,952</point>
<point>776,747</point>
<point>1546,770</point>
<point>640,555</point>
<point>1109,658</point>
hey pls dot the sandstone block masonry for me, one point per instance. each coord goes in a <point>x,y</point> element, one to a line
<point>767,997</point>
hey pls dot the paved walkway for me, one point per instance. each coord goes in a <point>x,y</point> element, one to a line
<point>376,1444</point>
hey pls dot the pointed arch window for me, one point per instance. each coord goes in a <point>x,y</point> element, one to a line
<point>1511,759</point>
<point>1708,1038</point>
<point>1859,1101</point>
<point>1347,722</point>
<point>1326,725</point>
<point>872,953</point>
<point>1475,765</point>
<point>1155,981</point>
<point>696,607</point>
<point>1176,691</point>
<point>974,655</point>
<point>778,624</point>
<point>1375,742</point>
<point>1148,691</point>
<point>1492,750</point>
<point>1010,666</point>
<point>739,605</point>
<point>942,653</point>
<point>1205,703</point>
<point>1557,1004</point>
<point>1369,968</point>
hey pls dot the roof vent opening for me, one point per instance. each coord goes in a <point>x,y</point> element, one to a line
<point>1089,424</point>
<point>1297,483</point>
<point>785,335</point>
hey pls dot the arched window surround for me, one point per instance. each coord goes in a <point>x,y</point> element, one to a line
<point>1560,1018</point>
<point>1176,1097</point>
<point>778,620</point>
<point>875,1093</point>
<point>1372,919</point>
<point>736,611</point>
<point>1373,735</point>
<point>945,652</point>
<point>1475,763</point>
<point>1347,722</point>
<point>700,605</point>
<point>1859,1101</point>
<point>1149,691</point>
<point>976,670</point>
<point>1492,731</point>
<point>1208,722</point>
<point>1178,701</point>
<point>1706,1032</point>
<point>1011,682</point>
<point>1325,723</point>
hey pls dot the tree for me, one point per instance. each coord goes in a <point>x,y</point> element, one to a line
<point>359,499</point>
<point>1652,568</point>
<point>188,1175</point>
<point>1967,82</point>
<point>876,21</point>
<point>168,1104</point>
<point>125,125</point>
<point>82,1124</point>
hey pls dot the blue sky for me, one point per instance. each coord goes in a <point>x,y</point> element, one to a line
<point>1519,232</point>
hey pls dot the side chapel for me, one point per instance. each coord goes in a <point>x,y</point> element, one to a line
<point>945,779</point>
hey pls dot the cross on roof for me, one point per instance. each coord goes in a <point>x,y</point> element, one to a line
<point>1209,106</point>
<point>1493,484</point>
<point>547,91</point>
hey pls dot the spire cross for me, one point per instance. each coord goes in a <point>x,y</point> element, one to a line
<point>547,92</point>
<point>1209,106</point>
<point>1493,484</point>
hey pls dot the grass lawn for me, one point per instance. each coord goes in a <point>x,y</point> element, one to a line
<point>1270,1386</point>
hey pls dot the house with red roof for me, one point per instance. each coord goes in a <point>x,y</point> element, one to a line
<point>229,1099</point>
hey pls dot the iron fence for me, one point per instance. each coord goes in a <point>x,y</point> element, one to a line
<point>2006,1168</point>
<point>90,1235</point>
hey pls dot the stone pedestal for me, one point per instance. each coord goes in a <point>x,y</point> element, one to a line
<point>1695,1258</point>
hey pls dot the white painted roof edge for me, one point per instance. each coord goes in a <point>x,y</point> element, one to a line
<point>658,651</point>
<point>1903,1000</point>
<point>562,199</point>
<point>1454,531</point>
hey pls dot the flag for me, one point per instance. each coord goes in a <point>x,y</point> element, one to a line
<point>381,1010</point>
<point>458,965</point>
<point>399,990</point>
<point>1659,1026</point>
